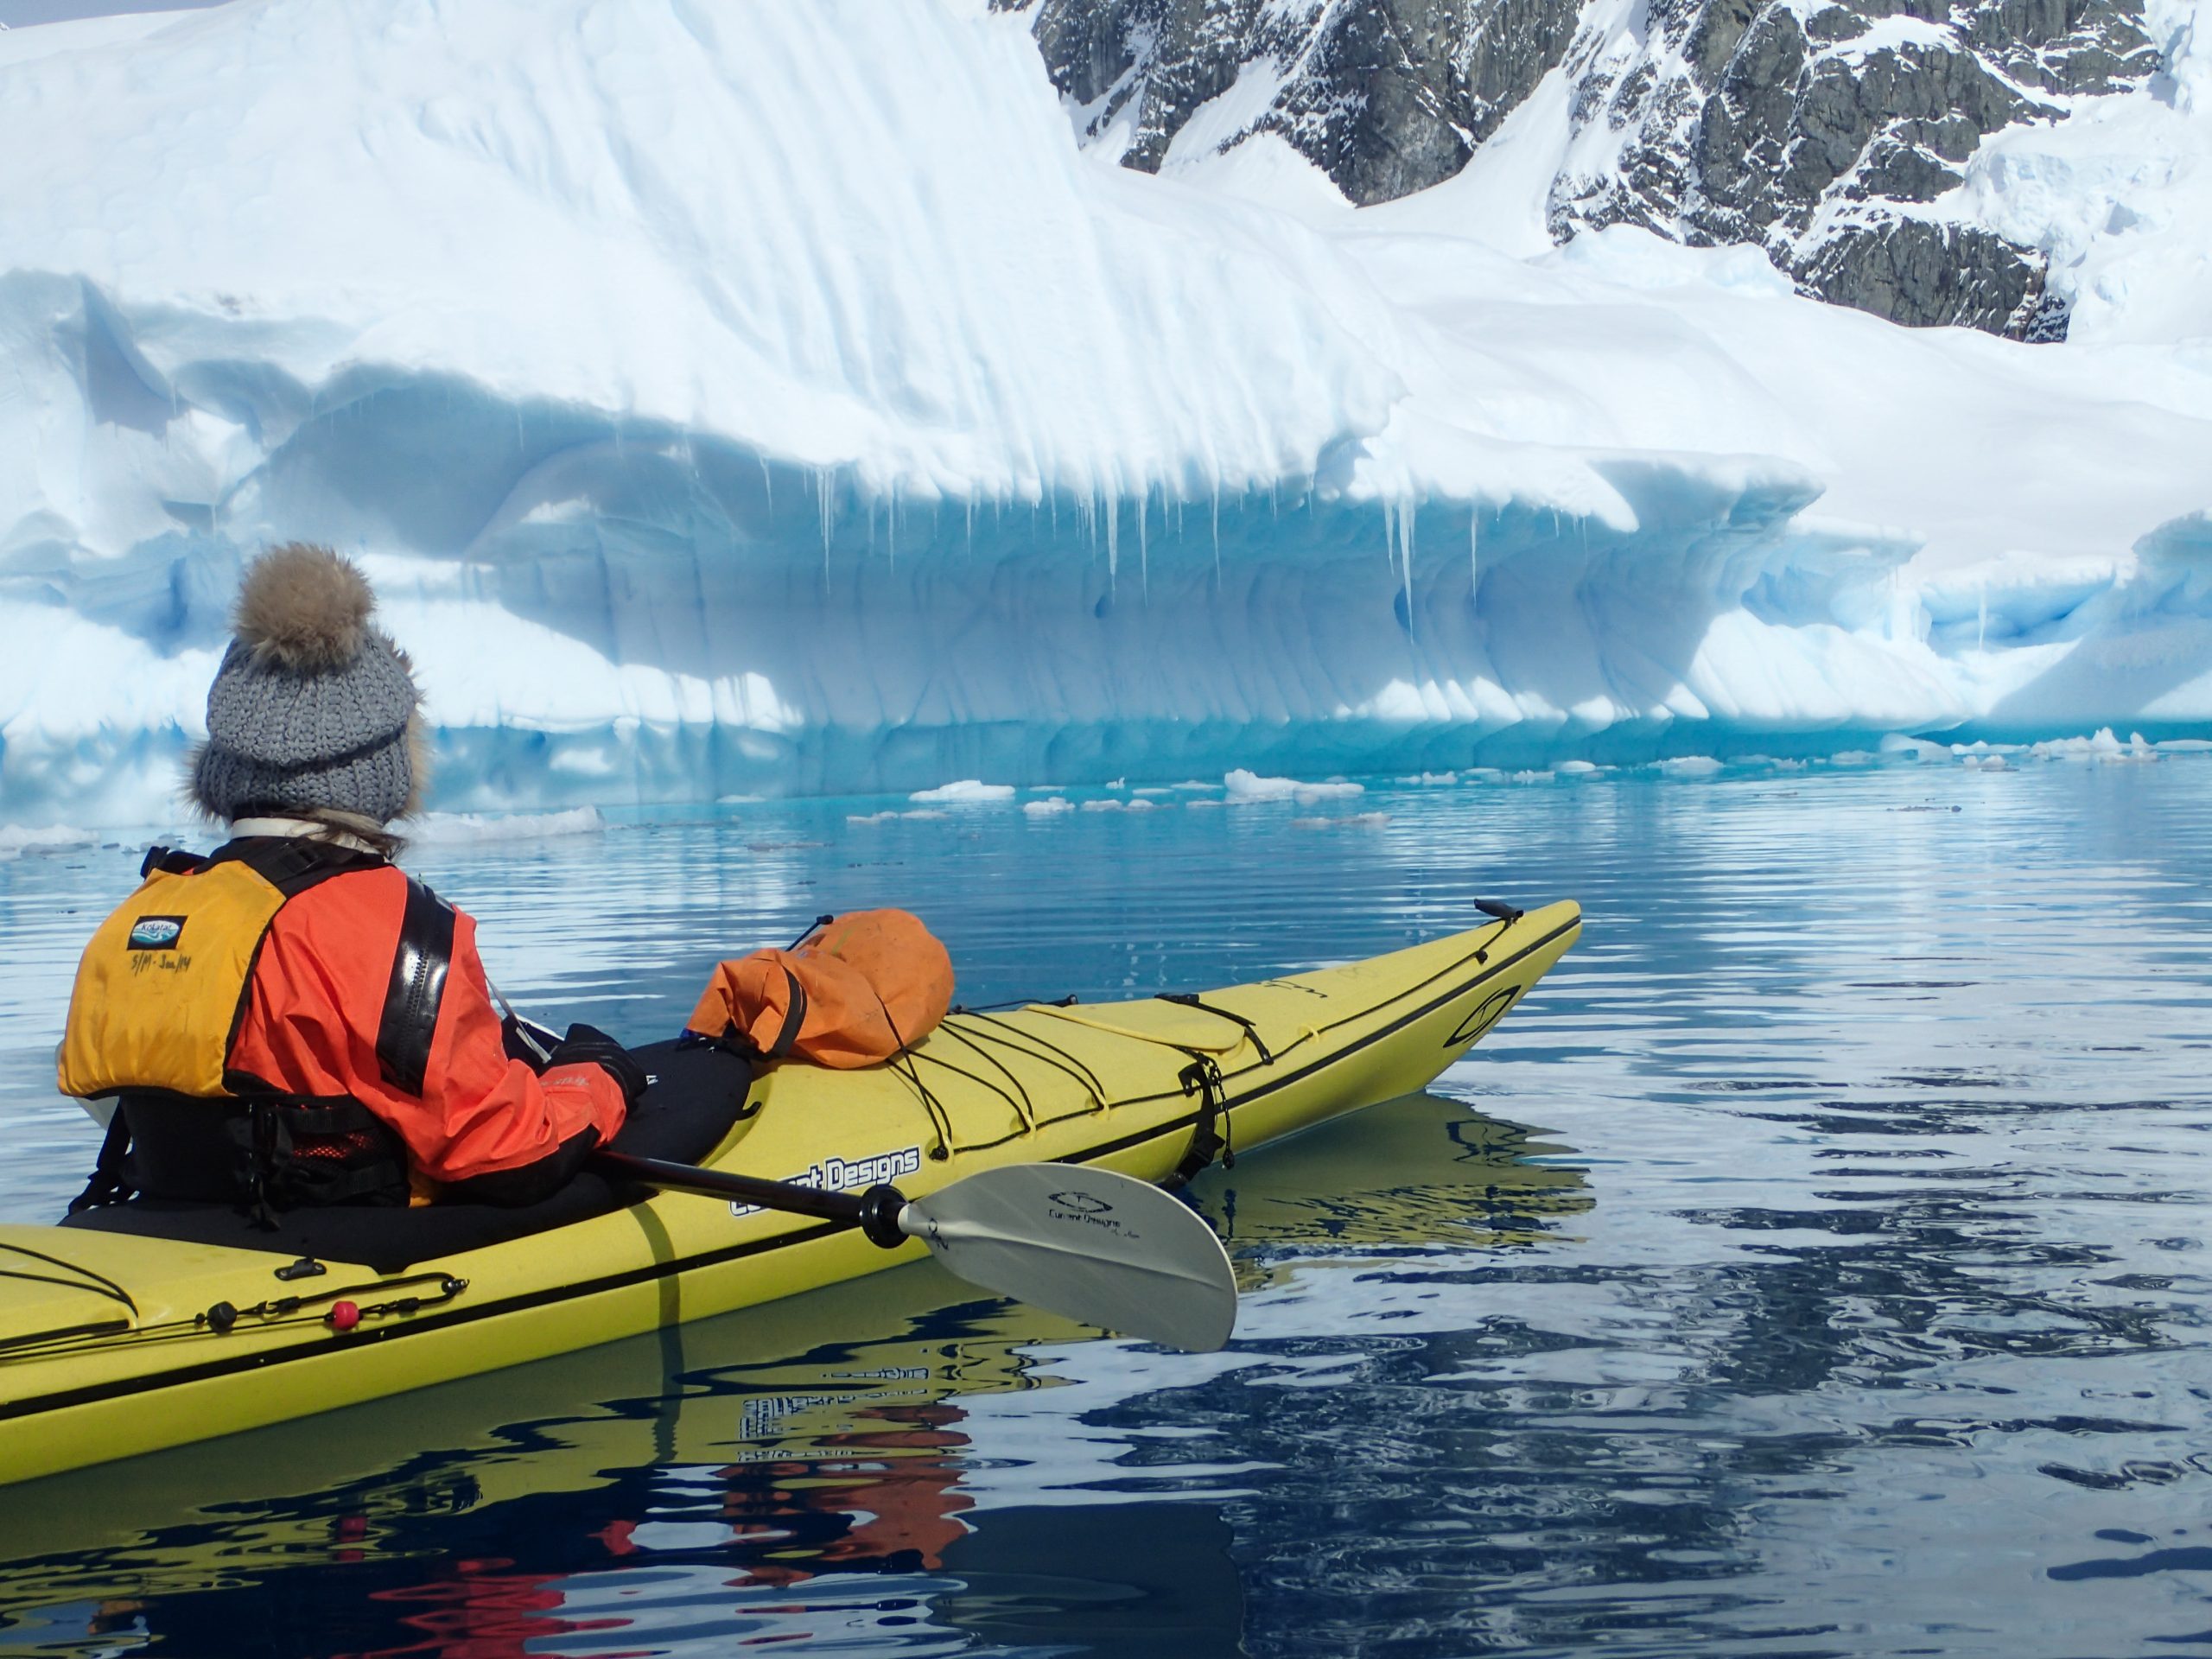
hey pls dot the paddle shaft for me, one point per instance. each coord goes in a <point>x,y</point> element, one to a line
<point>1097,1246</point>
<point>874,1211</point>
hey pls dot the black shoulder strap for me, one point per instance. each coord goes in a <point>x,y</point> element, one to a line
<point>417,989</point>
<point>290,864</point>
<point>169,860</point>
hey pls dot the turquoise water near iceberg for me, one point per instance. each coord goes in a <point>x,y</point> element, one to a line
<point>1815,1264</point>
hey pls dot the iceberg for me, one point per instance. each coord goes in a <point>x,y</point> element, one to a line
<point>748,401</point>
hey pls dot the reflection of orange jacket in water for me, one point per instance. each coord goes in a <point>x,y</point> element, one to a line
<point>318,974</point>
<point>908,1498</point>
<point>482,1612</point>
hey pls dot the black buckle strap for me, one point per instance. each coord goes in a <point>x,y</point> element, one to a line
<point>1209,1135</point>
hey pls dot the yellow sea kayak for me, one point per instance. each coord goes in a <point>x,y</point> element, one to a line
<point>113,1343</point>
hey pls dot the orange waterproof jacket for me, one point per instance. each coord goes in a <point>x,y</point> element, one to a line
<point>313,1010</point>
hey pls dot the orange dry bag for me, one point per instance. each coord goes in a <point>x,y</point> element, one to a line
<point>856,991</point>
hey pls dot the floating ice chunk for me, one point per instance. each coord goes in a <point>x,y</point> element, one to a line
<point>1105,806</point>
<point>869,818</point>
<point>1195,786</point>
<point>967,791</point>
<point>1348,821</point>
<point>1853,757</point>
<point>1574,768</point>
<point>448,828</point>
<point>1531,778</point>
<point>925,812</point>
<point>1915,748</point>
<point>2100,745</point>
<point>2185,745</point>
<point>1244,785</point>
<point>15,841</point>
<point>1048,808</point>
<point>1155,789</point>
<point>1689,766</point>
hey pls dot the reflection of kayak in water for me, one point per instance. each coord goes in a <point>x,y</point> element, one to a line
<point>793,1456</point>
<point>147,1329</point>
<point>1419,1170</point>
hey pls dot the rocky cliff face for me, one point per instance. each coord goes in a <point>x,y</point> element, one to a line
<point>1831,135</point>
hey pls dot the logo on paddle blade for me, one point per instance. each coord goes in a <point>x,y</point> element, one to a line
<point>1081,1204</point>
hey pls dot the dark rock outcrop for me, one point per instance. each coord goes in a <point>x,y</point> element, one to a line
<point>1386,98</point>
<point>1819,133</point>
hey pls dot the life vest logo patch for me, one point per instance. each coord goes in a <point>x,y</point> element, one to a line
<point>157,932</point>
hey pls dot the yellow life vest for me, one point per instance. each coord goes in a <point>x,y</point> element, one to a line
<point>162,986</point>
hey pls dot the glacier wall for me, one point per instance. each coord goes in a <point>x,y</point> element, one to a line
<point>737,401</point>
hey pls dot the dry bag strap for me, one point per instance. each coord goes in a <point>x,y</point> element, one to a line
<point>417,990</point>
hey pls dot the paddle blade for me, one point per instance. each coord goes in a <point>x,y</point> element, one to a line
<point>1088,1244</point>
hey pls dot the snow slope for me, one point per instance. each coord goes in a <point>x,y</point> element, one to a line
<point>745,399</point>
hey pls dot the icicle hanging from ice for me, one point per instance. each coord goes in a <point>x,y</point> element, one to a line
<point>1474,557</point>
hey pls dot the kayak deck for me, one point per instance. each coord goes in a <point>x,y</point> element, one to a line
<point>112,1344</point>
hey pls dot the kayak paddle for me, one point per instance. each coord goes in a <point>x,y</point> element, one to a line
<point>1103,1247</point>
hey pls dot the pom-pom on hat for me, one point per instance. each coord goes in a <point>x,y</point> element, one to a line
<point>314,708</point>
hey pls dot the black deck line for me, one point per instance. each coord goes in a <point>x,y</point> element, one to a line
<point>93,1392</point>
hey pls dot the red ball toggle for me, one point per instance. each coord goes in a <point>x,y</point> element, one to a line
<point>344,1316</point>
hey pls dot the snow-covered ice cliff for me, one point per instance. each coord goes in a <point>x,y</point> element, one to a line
<point>746,399</point>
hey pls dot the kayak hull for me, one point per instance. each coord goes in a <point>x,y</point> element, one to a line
<point>123,1344</point>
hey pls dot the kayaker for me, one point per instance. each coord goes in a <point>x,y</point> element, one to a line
<point>291,1020</point>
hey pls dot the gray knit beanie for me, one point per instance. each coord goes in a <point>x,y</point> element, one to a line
<point>312,708</point>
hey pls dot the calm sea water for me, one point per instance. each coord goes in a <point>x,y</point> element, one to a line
<point>1815,1264</point>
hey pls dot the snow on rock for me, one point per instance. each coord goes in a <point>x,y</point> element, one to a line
<point>754,400</point>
